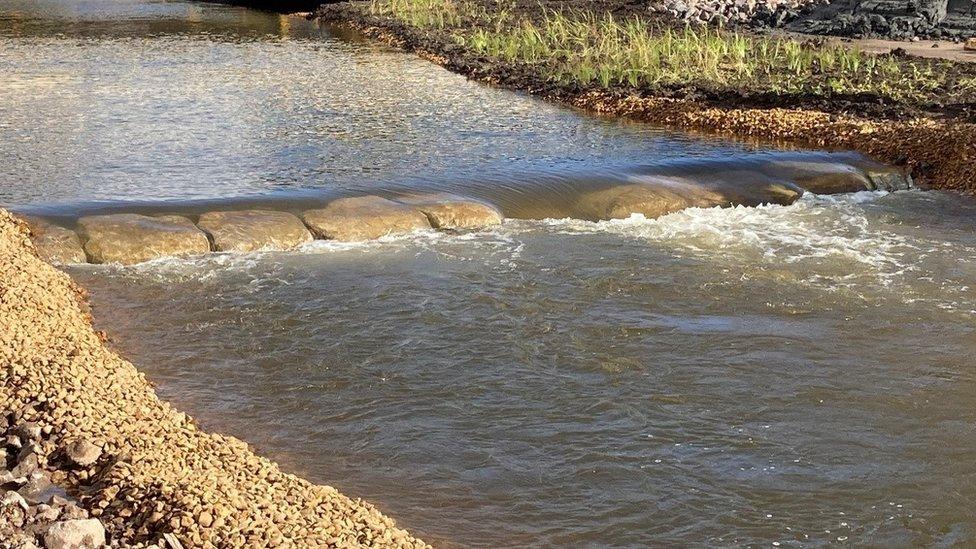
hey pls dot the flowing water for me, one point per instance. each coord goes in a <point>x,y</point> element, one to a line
<point>797,375</point>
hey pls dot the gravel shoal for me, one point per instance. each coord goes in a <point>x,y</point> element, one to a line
<point>157,473</point>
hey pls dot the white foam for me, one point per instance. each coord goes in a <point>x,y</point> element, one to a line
<point>830,242</point>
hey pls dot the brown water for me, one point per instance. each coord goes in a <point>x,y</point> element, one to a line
<point>799,375</point>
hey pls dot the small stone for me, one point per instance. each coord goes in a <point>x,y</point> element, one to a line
<point>75,534</point>
<point>82,452</point>
<point>28,431</point>
<point>205,519</point>
<point>39,488</point>
<point>46,513</point>
<point>26,466</point>
<point>6,477</point>
<point>970,44</point>
<point>13,498</point>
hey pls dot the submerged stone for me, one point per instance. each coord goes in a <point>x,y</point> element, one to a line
<point>448,211</point>
<point>821,177</point>
<point>648,199</point>
<point>252,230</point>
<point>887,178</point>
<point>55,244</point>
<point>134,238</point>
<point>364,218</point>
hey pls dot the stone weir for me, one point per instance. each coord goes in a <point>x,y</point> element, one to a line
<point>129,238</point>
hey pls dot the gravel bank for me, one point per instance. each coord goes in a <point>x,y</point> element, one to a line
<point>156,472</point>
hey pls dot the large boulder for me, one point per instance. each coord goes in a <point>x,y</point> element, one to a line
<point>363,218</point>
<point>448,211</point>
<point>55,244</point>
<point>133,238</point>
<point>75,534</point>
<point>650,199</point>
<point>252,230</point>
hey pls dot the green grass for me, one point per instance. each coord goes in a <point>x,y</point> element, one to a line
<point>599,50</point>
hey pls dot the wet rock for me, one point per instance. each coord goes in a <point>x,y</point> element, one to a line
<point>889,179</point>
<point>648,199</point>
<point>251,230</point>
<point>447,211</point>
<point>133,238</point>
<point>83,453</point>
<point>54,243</point>
<point>75,534</point>
<point>820,177</point>
<point>364,218</point>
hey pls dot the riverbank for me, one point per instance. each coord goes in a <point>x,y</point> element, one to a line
<point>911,112</point>
<point>155,473</point>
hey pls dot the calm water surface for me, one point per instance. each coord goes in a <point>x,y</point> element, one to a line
<point>793,374</point>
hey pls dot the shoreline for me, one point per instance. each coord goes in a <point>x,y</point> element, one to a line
<point>81,422</point>
<point>938,151</point>
<point>157,475</point>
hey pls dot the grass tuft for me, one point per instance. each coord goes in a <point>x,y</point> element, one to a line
<point>584,48</point>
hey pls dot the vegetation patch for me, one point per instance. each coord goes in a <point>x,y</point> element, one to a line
<point>613,58</point>
<point>583,48</point>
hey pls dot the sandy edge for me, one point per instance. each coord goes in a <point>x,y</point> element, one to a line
<point>159,473</point>
<point>939,154</point>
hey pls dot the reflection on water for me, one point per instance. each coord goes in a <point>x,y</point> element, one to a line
<point>793,374</point>
<point>182,101</point>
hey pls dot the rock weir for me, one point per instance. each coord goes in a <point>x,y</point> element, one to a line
<point>129,238</point>
<point>156,473</point>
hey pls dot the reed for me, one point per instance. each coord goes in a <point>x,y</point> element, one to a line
<point>589,49</point>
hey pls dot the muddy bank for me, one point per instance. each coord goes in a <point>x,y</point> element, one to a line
<point>933,138</point>
<point>156,473</point>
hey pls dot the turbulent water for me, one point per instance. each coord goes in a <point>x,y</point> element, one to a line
<point>797,375</point>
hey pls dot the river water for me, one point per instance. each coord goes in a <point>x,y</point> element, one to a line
<point>799,375</point>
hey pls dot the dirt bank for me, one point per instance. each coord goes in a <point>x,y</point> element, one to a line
<point>156,473</point>
<point>932,134</point>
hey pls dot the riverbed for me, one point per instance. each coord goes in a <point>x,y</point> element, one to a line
<point>795,374</point>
